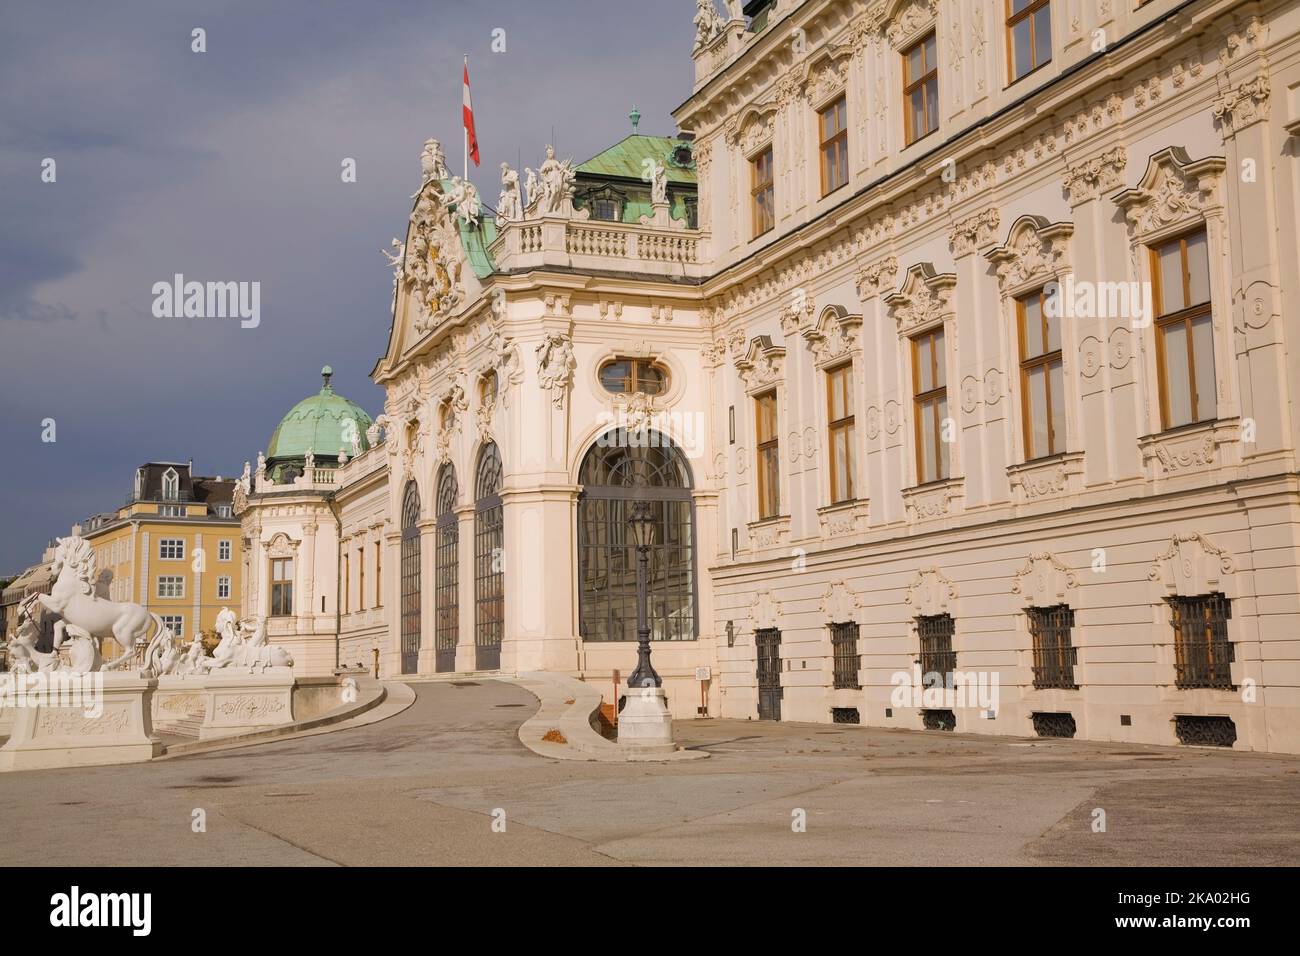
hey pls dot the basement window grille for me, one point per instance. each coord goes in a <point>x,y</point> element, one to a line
<point>1202,652</point>
<point>1054,655</point>
<point>1205,731</point>
<point>1053,725</point>
<point>844,649</point>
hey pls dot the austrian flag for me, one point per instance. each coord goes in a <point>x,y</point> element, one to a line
<point>471,139</point>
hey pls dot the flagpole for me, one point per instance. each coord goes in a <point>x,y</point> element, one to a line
<point>465,129</point>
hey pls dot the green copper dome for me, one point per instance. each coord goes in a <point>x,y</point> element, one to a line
<point>319,424</point>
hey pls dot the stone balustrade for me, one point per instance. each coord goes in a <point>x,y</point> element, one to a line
<point>671,250</point>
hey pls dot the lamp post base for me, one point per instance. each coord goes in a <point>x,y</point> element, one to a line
<point>644,721</point>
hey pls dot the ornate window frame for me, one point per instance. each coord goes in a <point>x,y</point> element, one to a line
<point>1177,194</point>
<point>1035,255</point>
<point>761,368</point>
<point>834,339</point>
<point>924,303</point>
<point>1045,581</point>
<point>1192,565</point>
<point>825,80</point>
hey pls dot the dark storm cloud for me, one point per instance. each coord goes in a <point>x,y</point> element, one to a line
<point>225,166</point>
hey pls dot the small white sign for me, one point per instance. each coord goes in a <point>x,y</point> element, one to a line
<point>701,673</point>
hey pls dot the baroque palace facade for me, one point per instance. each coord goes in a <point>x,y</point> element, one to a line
<point>971,361</point>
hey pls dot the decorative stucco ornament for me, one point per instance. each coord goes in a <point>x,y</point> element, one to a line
<point>555,365</point>
<point>708,23</point>
<point>434,260</point>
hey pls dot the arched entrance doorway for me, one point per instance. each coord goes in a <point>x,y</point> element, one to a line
<point>612,478</point>
<point>489,561</point>
<point>410,574</point>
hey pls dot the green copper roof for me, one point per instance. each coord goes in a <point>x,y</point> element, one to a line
<point>317,424</point>
<point>626,160</point>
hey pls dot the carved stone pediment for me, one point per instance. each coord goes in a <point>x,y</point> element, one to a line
<point>762,364</point>
<point>826,75</point>
<point>840,604</point>
<point>924,299</point>
<point>834,335</point>
<point>1045,581</point>
<point>1036,252</point>
<point>931,593</point>
<point>1192,565</point>
<point>907,18</point>
<point>764,611</point>
<point>755,129</point>
<point>1174,191</point>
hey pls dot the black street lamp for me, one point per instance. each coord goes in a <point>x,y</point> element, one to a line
<point>641,522</point>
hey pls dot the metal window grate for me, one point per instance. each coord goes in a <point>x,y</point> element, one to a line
<point>935,632</point>
<point>1053,724</point>
<point>446,630</point>
<point>410,616</point>
<point>1200,731</point>
<point>1054,655</point>
<point>844,650</point>
<point>1202,652</point>
<point>489,562</point>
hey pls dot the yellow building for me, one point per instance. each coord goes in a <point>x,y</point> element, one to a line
<point>174,547</point>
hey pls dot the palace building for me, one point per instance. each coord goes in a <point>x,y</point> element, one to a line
<point>945,342</point>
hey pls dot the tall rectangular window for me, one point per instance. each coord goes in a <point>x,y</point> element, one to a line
<point>769,456</point>
<point>839,413</point>
<point>921,89</point>
<point>762,192</point>
<point>833,124</point>
<point>223,550</point>
<point>1029,35</point>
<point>1202,651</point>
<point>1054,655</point>
<point>223,587</point>
<point>1042,380</point>
<point>282,587</point>
<point>379,599</point>
<point>844,650</point>
<point>171,549</point>
<point>1180,269</point>
<point>930,405</point>
<point>346,596</point>
<point>361,578</point>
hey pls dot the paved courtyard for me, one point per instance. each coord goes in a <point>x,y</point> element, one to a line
<point>425,786</point>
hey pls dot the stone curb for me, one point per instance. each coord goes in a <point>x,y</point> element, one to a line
<point>372,694</point>
<point>568,705</point>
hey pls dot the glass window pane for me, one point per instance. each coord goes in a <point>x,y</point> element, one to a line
<point>1203,347</point>
<point>1021,54</point>
<point>1018,5</point>
<point>929,45</point>
<point>1198,265</point>
<point>1036,386</point>
<point>1053,343</point>
<point>940,373</point>
<point>1032,309</point>
<point>1178,392</point>
<point>1056,383</point>
<point>1043,35</point>
<point>916,115</point>
<point>1170,263</point>
<point>914,64</point>
<point>932,105</point>
<point>925,453</point>
<point>924,365</point>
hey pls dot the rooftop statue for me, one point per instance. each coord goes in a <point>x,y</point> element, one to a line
<point>395,258</point>
<point>555,184</point>
<point>433,162</point>
<point>708,23</point>
<point>510,207</point>
<point>659,185</point>
<point>464,196</point>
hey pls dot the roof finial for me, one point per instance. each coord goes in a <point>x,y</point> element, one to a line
<point>635,117</point>
<point>326,373</point>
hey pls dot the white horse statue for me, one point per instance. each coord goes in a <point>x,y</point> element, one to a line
<point>90,617</point>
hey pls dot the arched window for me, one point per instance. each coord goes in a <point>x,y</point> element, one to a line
<point>446,579</point>
<point>489,561</point>
<point>612,478</point>
<point>171,485</point>
<point>410,614</point>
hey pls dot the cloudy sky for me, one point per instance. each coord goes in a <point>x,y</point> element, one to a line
<point>225,165</point>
